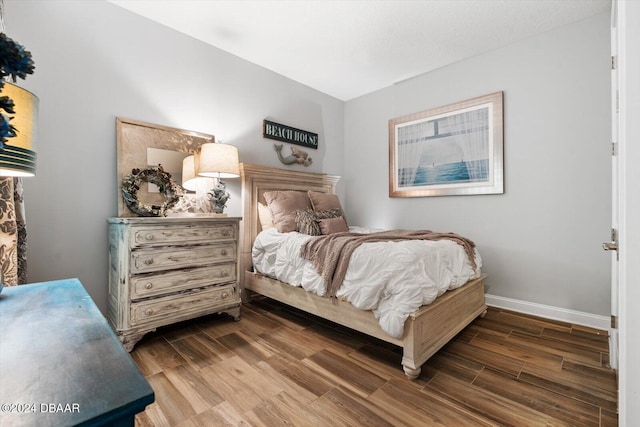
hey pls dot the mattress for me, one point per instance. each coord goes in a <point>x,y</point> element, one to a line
<point>393,279</point>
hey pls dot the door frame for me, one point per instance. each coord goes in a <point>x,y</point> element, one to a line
<point>615,190</point>
<point>628,15</point>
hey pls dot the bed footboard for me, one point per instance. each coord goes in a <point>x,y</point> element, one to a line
<point>426,330</point>
<point>432,326</point>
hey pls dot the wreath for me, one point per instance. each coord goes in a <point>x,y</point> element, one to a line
<point>157,176</point>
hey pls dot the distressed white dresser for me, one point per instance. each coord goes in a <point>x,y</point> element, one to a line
<point>165,270</point>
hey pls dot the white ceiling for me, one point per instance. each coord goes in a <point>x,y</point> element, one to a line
<point>348,48</point>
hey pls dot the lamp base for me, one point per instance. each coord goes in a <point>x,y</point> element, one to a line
<point>191,204</point>
<point>218,196</point>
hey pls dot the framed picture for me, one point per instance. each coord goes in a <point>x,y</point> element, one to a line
<point>452,150</point>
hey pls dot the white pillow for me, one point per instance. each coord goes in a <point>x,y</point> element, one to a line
<point>265,217</point>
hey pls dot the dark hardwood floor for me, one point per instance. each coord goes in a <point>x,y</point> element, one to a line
<point>278,366</point>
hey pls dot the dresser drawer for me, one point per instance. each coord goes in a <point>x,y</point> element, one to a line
<point>161,284</point>
<point>163,235</point>
<point>183,305</point>
<point>143,261</point>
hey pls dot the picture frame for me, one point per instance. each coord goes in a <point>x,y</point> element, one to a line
<point>456,149</point>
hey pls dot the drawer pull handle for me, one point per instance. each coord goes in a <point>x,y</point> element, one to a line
<point>224,252</point>
<point>148,261</point>
<point>148,311</point>
<point>225,233</point>
<point>149,236</point>
<point>224,273</point>
<point>225,295</point>
<point>148,285</point>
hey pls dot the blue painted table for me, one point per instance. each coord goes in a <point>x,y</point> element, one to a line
<point>60,362</point>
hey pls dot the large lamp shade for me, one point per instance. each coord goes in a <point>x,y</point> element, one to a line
<point>18,157</point>
<point>219,160</point>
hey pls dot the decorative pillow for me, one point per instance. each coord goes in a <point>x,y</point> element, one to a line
<point>283,206</point>
<point>265,217</point>
<point>307,223</point>
<point>309,220</point>
<point>323,201</point>
<point>328,213</point>
<point>333,225</point>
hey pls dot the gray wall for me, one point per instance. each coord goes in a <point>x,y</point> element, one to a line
<point>96,61</point>
<point>541,240</point>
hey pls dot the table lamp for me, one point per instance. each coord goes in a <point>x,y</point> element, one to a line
<point>218,161</point>
<point>192,182</point>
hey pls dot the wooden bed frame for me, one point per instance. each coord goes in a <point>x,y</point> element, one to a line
<point>425,331</point>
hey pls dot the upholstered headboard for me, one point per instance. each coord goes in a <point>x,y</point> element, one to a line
<point>256,180</point>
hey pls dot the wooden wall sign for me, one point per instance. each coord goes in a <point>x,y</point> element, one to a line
<point>285,133</point>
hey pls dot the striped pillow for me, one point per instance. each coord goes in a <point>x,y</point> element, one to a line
<point>308,220</point>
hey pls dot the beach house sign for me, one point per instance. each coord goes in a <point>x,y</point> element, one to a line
<point>289,134</point>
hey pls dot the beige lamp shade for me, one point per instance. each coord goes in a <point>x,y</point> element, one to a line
<point>189,173</point>
<point>190,179</point>
<point>18,157</point>
<point>219,160</point>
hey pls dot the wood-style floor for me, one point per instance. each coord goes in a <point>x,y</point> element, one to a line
<point>281,367</point>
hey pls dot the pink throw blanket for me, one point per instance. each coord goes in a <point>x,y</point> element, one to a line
<point>330,254</point>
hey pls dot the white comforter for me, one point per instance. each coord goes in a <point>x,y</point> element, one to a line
<point>391,278</point>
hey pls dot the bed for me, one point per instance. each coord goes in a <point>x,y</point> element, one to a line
<point>425,330</point>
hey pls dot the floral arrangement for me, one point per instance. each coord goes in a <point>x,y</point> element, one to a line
<point>157,176</point>
<point>15,62</point>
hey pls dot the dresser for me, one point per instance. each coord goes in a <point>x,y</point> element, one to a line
<point>166,270</point>
<point>60,362</point>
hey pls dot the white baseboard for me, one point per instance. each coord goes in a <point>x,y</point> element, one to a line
<point>550,312</point>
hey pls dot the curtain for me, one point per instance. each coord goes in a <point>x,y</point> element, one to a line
<point>470,130</point>
<point>13,232</point>
<point>411,142</point>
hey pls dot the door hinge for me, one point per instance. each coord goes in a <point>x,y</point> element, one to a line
<point>614,322</point>
<point>614,149</point>
<point>613,63</point>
